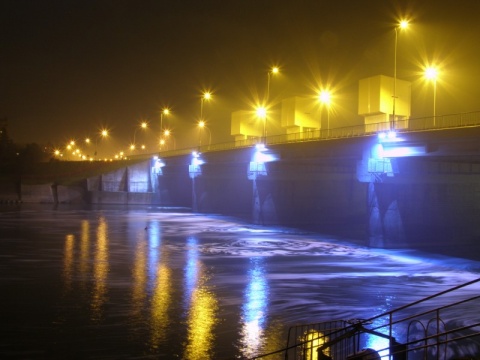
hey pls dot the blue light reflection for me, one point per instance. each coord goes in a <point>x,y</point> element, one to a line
<point>254,310</point>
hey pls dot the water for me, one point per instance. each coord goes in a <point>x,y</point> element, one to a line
<point>118,283</point>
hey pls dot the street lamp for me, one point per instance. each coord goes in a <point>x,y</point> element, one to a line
<point>274,70</point>
<point>325,98</point>
<point>261,112</point>
<point>165,111</point>
<point>103,134</point>
<point>402,25</point>
<point>207,95</point>
<point>167,134</point>
<point>431,73</point>
<point>143,125</point>
<point>202,125</point>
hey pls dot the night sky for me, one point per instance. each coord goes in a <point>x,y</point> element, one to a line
<point>69,68</point>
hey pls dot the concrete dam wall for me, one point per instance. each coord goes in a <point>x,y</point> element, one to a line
<point>330,187</point>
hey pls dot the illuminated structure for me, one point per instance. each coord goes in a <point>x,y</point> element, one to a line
<point>194,171</point>
<point>244,126</point>
<point>375,102</point>
<point>299,117</point>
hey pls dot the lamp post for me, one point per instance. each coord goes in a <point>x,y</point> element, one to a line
<point>206,96</point>
<point>103,134</point>
<point>167,133</point>
<point>261,112</point>
<point>143,125</point>
<point>431,73</point>
<point>274,70</point>
<point>402,25</point>
<point>202,125</point>
<point>325,98</point>
<point>165,112</point>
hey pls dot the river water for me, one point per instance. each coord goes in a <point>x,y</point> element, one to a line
<point>136,283</point>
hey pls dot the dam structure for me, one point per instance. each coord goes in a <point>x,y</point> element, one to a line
<point>392,181</point>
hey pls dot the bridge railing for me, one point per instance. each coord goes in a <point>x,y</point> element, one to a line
<point>440,122</point>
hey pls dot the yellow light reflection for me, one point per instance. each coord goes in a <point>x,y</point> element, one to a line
<point>139,277</point>
<point>315,339</point>
<point>161,302</point>
<point>84,250</point>
<point>100,270</point>
<point>201,322</point>
<point>68,261</point>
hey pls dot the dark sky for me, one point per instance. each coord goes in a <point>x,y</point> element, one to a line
<point>69,68</point>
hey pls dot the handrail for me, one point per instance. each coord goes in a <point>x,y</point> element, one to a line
<point>332,336</point>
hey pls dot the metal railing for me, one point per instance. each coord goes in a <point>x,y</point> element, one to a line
<point>441,122</point>
<point>443,326</point>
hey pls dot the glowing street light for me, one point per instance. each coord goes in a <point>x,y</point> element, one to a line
<point>431,73</point>
<point>202,125</point>
<point>402,25</point>
<point>261,112</point>
<point>167,133</point>
<point>273,71</point>
<point>166,112</point>
<point>103,134</point>
<point>143,125</point>
<point>325,97</point>
<point>207,95</point>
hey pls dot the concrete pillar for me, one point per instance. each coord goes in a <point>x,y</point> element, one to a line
<point>385,223</point>
<point>375,226</point>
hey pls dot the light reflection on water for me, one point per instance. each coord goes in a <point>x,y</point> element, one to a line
<point>254,309</point>
<point>137,284</point>
<point>100,270</point>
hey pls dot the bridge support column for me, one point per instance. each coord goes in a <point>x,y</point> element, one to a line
<point>385,225</point>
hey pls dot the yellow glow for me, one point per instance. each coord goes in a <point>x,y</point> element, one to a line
<point>403,24</point>
<point>161,302</point>
<point>84,250</point>
<point>325,97</point>
<point>56,152</point>
<point>275,70</point>
<point>207,95</point>
<point>261,112</point>
<point>431,73</point>
<point>72,142</point>
<point>100,270</point>
<point>87,140</point>
<point>201,124</point>
<point>162,142</point>
<point>68,260</point>
<point>314,341</point>
<point>139,277</point>
<point>132,147</point>
<point>144,125</point>
<point>201,321</point>
<point>166,111</point>
<point>104,133</point>
<point>167,132</point>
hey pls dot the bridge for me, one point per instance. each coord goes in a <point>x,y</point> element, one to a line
<point>418,187</point>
